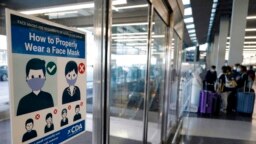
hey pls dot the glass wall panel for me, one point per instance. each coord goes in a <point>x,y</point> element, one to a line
<point>157,79</point>
<point>174,79</point>
<point>128,71</point>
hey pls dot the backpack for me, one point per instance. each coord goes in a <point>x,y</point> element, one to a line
<point>230,83</point>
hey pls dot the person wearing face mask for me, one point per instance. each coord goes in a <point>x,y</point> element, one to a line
<point>72,92</point>
<point>243,79</point>
<point>235,70</point>
<point>37,99</point>
<point>251,76</point>
<point>49,125</point>
<point>30,132</point>
<point>210,78</point>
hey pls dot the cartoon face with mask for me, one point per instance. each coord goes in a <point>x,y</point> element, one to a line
<point>35,79</point>
<point>72,92</point>
<point>71,77</point>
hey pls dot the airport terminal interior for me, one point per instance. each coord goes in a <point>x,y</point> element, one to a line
<point>148,71</point>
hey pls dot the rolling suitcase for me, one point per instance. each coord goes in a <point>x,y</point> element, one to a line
<point>245,101</point>
<point>205,102</point>
<point>216,102</point>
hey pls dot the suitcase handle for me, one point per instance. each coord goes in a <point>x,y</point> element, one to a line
<point>245,87</point>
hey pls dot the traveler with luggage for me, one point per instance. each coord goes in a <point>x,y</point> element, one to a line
<point>227,89</point>
<point>243,78</point>
<point>235,70</point>
<point>231,87</point>
<point>210,79</point>
<point>209,101</point>
<point>251,76</point>
<point>245,94</point>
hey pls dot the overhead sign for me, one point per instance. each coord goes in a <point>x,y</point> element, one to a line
<point>47,80</point>
<point>190,56</point>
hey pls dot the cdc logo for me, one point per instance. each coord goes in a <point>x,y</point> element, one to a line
<point>75,129</point>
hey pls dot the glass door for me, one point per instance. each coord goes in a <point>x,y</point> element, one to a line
<point>128,67</point>
<point>157,79</point>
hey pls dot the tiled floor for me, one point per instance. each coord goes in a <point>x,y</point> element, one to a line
<point>210,140</point>
<point>198,130</point>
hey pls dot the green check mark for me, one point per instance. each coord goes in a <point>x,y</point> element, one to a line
<point>51,68</point>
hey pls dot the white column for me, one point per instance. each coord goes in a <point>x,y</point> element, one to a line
<point>223,33</point>
<point>237,31</point>
<point>214,49</point>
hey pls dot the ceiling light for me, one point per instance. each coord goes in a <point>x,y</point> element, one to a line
<point>132,7</point>
<point>250,42</point>
<point>189,20</point>
<point>213,10</point>
<point>130,24</point>
<point>186,2</point>
<point>191,35</point>
<point>250,37</point>
<point>114,8</point>
<point>250,29</point>
<point>123,34</point>
<point>188,11</point>
<point>215,1</point>
<point>214,5</point>
<point>61,13</point>
<point>250,46</point>
<point>158,36</point>
<point>251,17</point>
<point>119,2</point>
<point>136,37</point>
<point>192,31</point>
<point>59,8</point>
<point>68,7</point>
<point>190,26</point>
<point>129,40</point>
<point>249,49</point>
<point>129,37</point>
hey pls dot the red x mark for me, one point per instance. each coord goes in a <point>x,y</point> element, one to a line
<point>37,116</point>
<point>55,111</point>
<point>81,68</point>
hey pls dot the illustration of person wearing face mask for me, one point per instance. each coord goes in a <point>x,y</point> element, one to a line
<point>30,132</point>
<point>72,92</point>
<point>49,124</point>
<point>37,99</point>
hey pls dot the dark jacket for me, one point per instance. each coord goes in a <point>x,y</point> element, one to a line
<point>211,77</point>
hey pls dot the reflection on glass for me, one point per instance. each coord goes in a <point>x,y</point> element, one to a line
<point>128,70</point>
<point>157,80</point>
<point>173,83</point>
